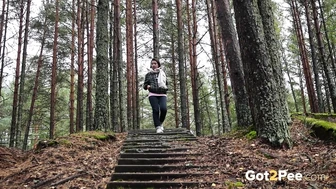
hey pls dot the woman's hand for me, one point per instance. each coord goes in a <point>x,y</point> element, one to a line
<point>148,86</point>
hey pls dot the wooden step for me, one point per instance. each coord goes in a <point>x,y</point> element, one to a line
<point>143,143</point>
<point>145,147</point>
<point>154,131</point>
<point>153,176</point>
<point>152,161</point>
<point>156,155</point>
<point>158,184</point>
<point>165,138</point>
<point>141,140</point>
<point>157,168</point>
<point>158,150</point>
<point>167,134</point>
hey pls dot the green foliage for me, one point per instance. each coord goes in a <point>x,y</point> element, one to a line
<point>251,135</point>
<point>5,114</point>
<point>232,185</point>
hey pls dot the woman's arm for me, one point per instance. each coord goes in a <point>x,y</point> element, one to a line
<point>147,82</point>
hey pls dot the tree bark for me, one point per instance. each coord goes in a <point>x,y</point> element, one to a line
<point>89,108</point>
<point>314,59</point>
<point>3,27</point>
<point>36,84</point>
<point>303,98</point>
<point>234,62</point>
<point>72,71</point>
<point>156,53</point>
<point>101,120</point>
<point>192,34</point>
<point>218,68</point>
<point>80,64</point>
<point>265,100</point>
<point>182,76</point>
<point>333,63</point>
<point>54,75</point>
<point>116,55</point>
<point>304,57</point>
<point>130,65</point>
<point>136,108</point>
<point>272,45</point>
<point>22,95</point>
<point>14,129</point>
<point>328,74</point>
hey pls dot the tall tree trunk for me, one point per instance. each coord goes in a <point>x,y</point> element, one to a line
<point>211,33</point>
<point>22,95</point>
<point>111,65</point>
<point>192,33</point>
<point>218,69</point>
<point>3,27</point>
<point>234,62</point>
<point>304,57</point>
<point>182,76</point>
<point>224,74</point>
<point>314,59</point>
<point>303,98</point>
<point>129,70</point>
<point>90,35</point>
<point>72,71</point>
<point>259,75</point>
<point>197,111</point>
<point>36,84</point>
<point>328,74</point>
<point>101,120</point>
<point>327,93</point>
<point>156,53</point>
<point>175,88</point>
<point>121,66</point>
<point>136,108</point>
<point>333,63</point>
<point>54,75</point>
<point>283,56</point>
<point>13,129</point>
<point>272,45</point>
<point>80,84</point>
<point>191,57</point>
<point>114,92</point>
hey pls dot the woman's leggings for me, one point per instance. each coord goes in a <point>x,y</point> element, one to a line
<point>159,107</point>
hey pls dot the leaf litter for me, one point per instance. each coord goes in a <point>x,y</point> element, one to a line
<point>90,163</point>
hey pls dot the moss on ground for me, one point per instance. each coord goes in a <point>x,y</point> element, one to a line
<point>251,135</point>
<point>323,129</point>
<point>99,135</point>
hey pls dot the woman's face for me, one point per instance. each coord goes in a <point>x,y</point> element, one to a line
<point>154,64</point>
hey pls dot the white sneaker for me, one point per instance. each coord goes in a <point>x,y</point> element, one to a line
<point>162,127</point>
<point>159,129</point>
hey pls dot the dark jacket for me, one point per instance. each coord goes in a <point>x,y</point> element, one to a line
<point>151,79</point>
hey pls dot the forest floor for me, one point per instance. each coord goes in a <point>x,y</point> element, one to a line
<point>88,163</point>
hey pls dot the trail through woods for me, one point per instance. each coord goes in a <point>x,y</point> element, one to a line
<point>88,163</point>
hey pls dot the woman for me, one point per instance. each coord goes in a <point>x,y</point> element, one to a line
<point>157,95</point>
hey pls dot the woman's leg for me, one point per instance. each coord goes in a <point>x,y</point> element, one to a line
<point>154,102</point>
<point>163,108</point>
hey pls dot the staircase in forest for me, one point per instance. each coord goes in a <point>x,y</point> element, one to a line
<point>166,160</point>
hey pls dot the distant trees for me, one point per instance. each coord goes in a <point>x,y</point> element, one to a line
<point>234,61</point>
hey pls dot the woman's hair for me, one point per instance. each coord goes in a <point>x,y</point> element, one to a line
<point>157,61</point>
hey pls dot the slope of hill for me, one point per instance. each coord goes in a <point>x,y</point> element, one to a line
<point>83,161</point>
